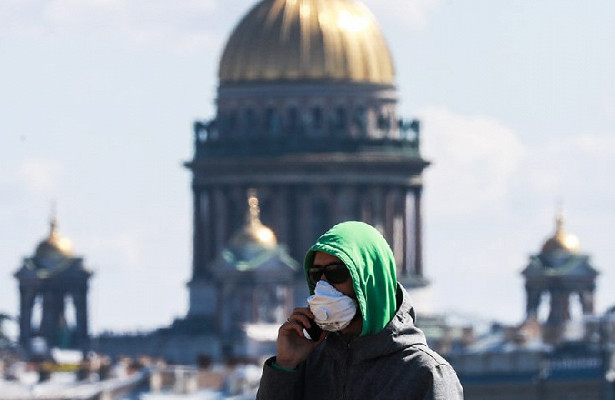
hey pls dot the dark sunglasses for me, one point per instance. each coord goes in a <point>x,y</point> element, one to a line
<point>335,272</point>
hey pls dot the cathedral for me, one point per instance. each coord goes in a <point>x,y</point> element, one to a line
<point>306,118</point>
<point>306,135</point>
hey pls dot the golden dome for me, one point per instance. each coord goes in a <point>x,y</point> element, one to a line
<point>254,232</point>
<point>307,39</point>
<point>561,240</point>
<point>54,245</point>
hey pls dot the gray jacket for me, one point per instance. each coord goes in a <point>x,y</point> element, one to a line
<point>395,363</point>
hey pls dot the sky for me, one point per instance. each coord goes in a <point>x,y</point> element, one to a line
<point>98,97</point>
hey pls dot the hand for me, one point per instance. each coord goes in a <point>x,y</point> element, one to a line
<point>292,347</point>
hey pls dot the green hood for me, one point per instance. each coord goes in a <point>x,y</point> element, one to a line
<point>372,267</point>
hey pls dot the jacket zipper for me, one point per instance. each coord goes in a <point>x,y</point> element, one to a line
<point>345,381</point>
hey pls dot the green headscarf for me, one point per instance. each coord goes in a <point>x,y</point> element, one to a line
<point>370,261</point>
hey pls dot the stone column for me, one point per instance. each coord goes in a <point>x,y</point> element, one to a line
<point>587,301</point>
<point>378,204</point>
<point>282,222</point>
<point>366,206</point>
<point>418,231</point>
<point>26,305</point>
<point>397,242</point>
<point>223,308</point>
<point>559,307</point>
<point>532,295</point>
<point>409,234</point>
<point>345,204</point>
<point>328,193</point>
<point>220,213</point>
<point>237,205</point>
<point>51,315</point>
<point>81,316</point>
<point>389,215</point>
<point>304,216</point>
<point>205,234</point>
<point>197,234</point>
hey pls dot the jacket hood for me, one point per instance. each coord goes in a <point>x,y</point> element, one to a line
<point>398,334</point>
<point>370,261</point>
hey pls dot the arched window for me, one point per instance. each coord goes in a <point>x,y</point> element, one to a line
<point>360,120</point>
<point>317,118</point>
<point>292,119</point>
<point>340,120</point>
<point>249,121</point>
<point>272,122</point>
<point>232,122</point>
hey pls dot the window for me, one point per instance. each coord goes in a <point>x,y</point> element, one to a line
<point>272,122</point>
<point>340,119</point>
<point>316,118</point>
<point>360,120</point>
<point>231,122</point>
<point>249,120</point>
<point>292,118</point>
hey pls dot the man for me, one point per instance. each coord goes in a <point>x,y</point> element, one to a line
<point>369,347</point>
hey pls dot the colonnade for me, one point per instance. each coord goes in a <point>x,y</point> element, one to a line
<point>299,213</point>
<point>53,316</point>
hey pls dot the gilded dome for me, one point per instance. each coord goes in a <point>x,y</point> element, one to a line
<point>254,232</point>
<point>54,245</point>
<point>307,39</point>
<point>561,240</point>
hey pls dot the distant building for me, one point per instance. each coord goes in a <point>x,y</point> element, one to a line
<point>306,116</point>
<point>561,272</point>
<point>558,355</point>
<point>253,277</point>
<point>54,283</point>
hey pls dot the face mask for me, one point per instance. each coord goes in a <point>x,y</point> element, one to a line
<point>332,310</point>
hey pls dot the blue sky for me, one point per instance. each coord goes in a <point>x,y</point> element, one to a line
<point>97,100</point>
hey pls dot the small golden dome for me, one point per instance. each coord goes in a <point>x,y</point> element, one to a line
<point>254,232</point>
<point>54,245</point>
<point>307,39</point>
<point>561,240</point>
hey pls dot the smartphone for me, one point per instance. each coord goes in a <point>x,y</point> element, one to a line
<point>313,332</point>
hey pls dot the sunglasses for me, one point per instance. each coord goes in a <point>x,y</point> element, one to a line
<point>335,272</point>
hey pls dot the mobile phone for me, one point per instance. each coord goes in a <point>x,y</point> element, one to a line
<point>313,332</point>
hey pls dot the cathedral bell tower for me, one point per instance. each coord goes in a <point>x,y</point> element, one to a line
<point>56,282</point>
<point>306,115</point>
<point>560,271</point>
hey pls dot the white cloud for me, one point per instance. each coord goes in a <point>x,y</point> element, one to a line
<point>474,160</point>
<point>414,14</point>
<point>596,144</point>
<point>491,200</point>
<point>175,26</point>
<point>185,27</point>
<point>120,249</point>
<point>571,168</point>
<point>39,176</point>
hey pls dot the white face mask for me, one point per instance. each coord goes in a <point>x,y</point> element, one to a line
<point>332,310</point>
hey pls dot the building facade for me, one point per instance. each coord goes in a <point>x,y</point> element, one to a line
<point>53,291</point>
<point>307,126</point>
<point>555,353</point>
<point>306,115</point>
